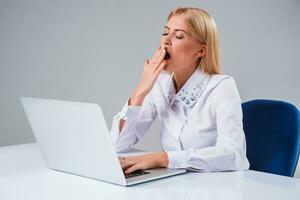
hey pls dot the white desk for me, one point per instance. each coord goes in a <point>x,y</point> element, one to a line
<point>24,175</point>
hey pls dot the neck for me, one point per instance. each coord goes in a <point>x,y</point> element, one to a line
<point>180,78</point>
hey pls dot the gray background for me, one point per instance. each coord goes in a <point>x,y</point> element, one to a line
<point>93,51</point>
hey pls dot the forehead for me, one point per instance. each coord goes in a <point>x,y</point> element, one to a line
<point>177,22</point>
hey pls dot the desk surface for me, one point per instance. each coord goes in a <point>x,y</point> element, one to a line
<point>24,175</point>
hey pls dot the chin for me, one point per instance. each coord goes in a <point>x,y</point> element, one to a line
<point>169,68</point>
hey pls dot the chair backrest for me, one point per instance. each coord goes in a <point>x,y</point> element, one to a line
<point>272,130</point>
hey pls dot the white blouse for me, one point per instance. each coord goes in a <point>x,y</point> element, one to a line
<point>201,125</point>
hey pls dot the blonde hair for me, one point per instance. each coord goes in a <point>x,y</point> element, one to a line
<point>204,29</point>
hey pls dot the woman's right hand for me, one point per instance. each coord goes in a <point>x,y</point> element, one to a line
<point>150,74</point>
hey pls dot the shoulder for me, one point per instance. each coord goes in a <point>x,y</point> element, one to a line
<point>221,81</point>
<point>217,80</point>
<point>223,88</point>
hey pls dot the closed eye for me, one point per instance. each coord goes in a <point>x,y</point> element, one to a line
<point>178,37</point>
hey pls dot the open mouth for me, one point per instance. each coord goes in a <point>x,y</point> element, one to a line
<point>167,56</point>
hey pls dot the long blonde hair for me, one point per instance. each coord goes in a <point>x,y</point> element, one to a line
<point>204,29</point>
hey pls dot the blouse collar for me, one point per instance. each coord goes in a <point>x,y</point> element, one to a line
<point>190,91</point>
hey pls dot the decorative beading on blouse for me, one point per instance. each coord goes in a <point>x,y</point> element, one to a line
<point>189,93</point>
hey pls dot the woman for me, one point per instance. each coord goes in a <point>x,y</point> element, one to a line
<point>198,108</point>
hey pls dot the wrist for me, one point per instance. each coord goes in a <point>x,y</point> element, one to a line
<point>163,159</point>
<point>137,98</point>
<point>135,101</point>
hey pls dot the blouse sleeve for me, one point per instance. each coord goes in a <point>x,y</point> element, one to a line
<point>229,153</point>
<point>138,120</point>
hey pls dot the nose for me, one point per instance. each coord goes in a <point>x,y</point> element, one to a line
<point>166,41</point>
<point>166,44</point>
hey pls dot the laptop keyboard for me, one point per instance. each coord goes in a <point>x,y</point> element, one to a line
<point>136,173</point>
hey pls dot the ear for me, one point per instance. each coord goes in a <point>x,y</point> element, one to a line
<point>201,51</point>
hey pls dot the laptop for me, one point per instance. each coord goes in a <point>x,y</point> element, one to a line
<point>73,137</point>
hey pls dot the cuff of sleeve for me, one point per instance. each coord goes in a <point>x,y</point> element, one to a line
<point>176,159</point>
<point>130,112</point>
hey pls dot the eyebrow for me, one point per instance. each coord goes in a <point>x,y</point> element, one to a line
<point>176,29</point>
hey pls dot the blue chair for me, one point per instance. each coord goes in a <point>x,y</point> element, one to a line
<point>272,130</point>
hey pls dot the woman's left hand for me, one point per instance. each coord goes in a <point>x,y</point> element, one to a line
<point>147,161</point>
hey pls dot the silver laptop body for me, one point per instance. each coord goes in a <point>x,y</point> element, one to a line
<point>73,138</point>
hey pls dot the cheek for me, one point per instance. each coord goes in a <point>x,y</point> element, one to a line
<point>184,50</point>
